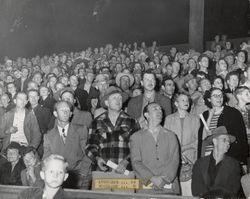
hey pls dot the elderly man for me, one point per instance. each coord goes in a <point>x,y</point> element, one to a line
<point>69,141</point>
<point>109,138</point>
<point>155,154</point>
<point>20,125</point>
<point>217,174</point>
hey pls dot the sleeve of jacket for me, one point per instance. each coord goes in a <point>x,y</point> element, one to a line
<point>86,163</point>
<point>3,126</point>
<point>169,170</point>
<point>135,154</point>
<point>35,132</point>
<point>198,185</point>
<point>46,146</point>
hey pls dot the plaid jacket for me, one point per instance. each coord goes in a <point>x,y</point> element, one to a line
<point>111,142</point>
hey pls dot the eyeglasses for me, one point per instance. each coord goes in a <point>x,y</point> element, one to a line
<point>217,96</point>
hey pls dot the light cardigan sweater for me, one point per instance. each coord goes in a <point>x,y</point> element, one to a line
<point>187,135</point>
<point>150,158</point>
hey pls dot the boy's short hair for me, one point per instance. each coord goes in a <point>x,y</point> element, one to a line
<point>54,157</point>
<point>240,89</point>
<point>232,73</point>
<point>62,101</point>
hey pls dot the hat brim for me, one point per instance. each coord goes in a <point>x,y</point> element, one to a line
<point>124,98</point>
<point>120,75</point>
<point>210,138</point>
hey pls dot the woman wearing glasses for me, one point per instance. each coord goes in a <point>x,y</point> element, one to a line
<point>221,115</point>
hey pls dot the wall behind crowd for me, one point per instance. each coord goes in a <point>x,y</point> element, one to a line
<point>61,25</point>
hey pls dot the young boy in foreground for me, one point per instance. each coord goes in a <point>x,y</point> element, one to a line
<point>54,173</point>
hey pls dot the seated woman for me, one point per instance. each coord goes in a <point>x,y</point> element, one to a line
<point>31,175</point>
<point>10,172</point>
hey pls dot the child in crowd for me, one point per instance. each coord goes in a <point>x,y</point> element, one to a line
<point>53,173</point>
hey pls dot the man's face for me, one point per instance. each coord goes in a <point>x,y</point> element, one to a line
<point>90,77</point>
<point>241,57</point>
<point>124,83</point>
<point>192,84</point>
<point>223,143</point>
<point>155,113</point>
<point>245,96</point>
<point>169,87</point>
<point>52,81</point>
<point>33,98</point>
<point>68,97</point>
<point>21,100</point>
<point>63,112</point>
<point>205,85</point>
<point>73,81</point>
<point>114,102</point>
<point>44,92</point>
<point>218,83</point>
<point>233,81</point>
<point>13,155</point>
<point>5,100</point>
<point>182,102</point>
<point>25,72</point>
<point>230,60</point>
<point>37,78</point>
<point>204,62</point>
<point>176,67</point>
<point>29,159</point>
<point>149,82</point>
<point>54,174</point>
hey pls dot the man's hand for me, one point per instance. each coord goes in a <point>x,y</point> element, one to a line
<point>157,181</point>
<point>121,167</point>
<point>31,173</point>
<point>11,130</point>
<point>101,164</point>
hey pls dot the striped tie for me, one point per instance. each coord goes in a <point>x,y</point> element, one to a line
<point>64,135</point>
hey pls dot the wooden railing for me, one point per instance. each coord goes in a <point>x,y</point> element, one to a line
<point>11,192</point>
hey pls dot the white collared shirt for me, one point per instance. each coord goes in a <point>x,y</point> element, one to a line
<point>60,129</point>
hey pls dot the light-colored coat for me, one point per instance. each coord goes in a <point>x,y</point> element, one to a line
<point>187,135</point>
<point>30,126</point>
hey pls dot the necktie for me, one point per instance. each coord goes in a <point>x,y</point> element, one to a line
<point>64,135</point>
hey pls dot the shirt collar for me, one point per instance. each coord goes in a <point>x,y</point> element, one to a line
<point>65,129</point>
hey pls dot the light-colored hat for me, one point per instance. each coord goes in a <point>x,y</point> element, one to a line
<point>112,90</point>
<point>120,75</point>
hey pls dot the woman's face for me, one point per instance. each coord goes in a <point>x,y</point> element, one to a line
<point>216,98</point>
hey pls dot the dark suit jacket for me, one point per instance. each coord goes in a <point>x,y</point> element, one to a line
<point>43,116</point>
<point>49,103</point>
<point>232,119</point>
<point>8,177</point>
<point>31,128</point>
<point>227,179</point>
<point>73,150</point>
<point>25,84</point>
<point>135,105</point>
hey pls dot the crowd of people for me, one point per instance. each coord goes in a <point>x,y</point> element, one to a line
<point>178,120</point>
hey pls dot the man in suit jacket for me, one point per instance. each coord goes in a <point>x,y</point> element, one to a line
<point>20,125</point>
<point>136,104</point>
<point>69,140</point>
<point>217,174</point>
<point>43,115</point>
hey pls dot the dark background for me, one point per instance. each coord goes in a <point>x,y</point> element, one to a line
<point>30,27</point>
<point>64,25</point>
